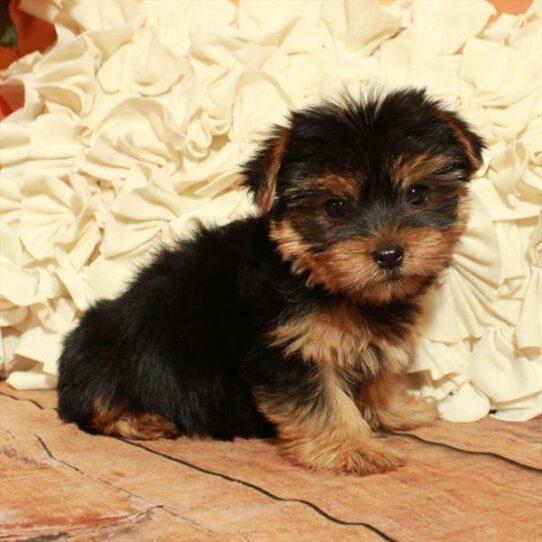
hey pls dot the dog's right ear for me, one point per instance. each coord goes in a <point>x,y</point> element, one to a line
<point>261,171</point>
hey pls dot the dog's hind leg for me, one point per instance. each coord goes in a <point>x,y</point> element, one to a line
<point>131,425</point>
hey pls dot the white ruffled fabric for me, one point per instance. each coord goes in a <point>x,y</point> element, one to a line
<point>136,120</point>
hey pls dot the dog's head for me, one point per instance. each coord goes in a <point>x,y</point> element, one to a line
<point>367,198</point>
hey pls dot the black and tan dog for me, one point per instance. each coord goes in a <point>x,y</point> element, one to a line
<point>299,322</point>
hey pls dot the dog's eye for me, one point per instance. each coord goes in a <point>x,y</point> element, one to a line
<point>417,194</point>
<point>335,208</point>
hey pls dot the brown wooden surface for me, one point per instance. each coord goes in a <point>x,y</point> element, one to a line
<point>462,482</point>
<point>519,442</point>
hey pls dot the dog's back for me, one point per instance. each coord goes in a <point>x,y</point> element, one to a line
<point>128,356</point>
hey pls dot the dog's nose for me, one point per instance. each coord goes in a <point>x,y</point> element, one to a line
<point>389,257</point>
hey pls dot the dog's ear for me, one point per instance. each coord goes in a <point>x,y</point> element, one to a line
<point>472,143</point>
<point>261,171</point>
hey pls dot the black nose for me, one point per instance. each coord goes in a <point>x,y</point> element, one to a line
<point>389,257</point>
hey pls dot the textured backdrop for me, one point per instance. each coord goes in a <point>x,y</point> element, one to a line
<point>134,124</point>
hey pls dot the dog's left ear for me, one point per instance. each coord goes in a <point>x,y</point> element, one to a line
<point>472,143</point>
<point>261,171</point>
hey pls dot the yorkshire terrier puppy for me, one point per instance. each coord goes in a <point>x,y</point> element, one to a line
<point>299,322</point>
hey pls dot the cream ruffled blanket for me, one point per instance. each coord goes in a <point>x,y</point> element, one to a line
<point>136,120</point>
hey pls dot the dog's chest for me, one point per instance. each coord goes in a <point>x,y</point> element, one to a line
<point>343,337</point>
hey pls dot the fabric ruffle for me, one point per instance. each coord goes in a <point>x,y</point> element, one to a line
<point>136,120</point>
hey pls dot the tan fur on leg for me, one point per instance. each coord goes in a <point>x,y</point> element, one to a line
<point>329,435</point>
<point>116,421</point>
<point>387,404</point>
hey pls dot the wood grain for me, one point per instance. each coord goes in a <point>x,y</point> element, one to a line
<point>41,398</point>
<point>153,525</point>
<point>247,489</point>
<point>215,504</point>
<point>518,442</point>
<point>440,495</point>
<point>40,497</point>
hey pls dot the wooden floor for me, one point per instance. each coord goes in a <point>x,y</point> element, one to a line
<point>463,482</point>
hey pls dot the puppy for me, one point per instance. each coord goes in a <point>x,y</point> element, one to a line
<point>298,322</point>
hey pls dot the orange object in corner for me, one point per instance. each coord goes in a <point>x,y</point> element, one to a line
<point>513,7</point>
<point>32,35</point>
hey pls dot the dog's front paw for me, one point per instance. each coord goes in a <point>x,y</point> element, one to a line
<point>352,455</point>
<point>369,459</point>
